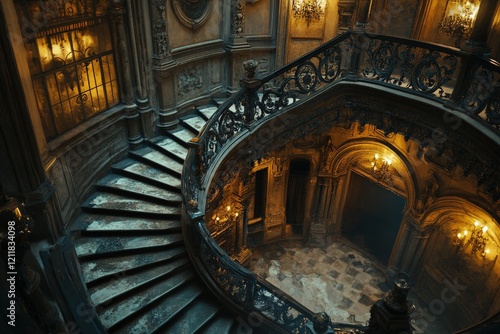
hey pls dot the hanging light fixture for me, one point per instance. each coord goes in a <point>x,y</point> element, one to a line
<point>459,17</point>
<point>309,10</point>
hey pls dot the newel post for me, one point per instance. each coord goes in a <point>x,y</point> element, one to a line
<point>250,84</point>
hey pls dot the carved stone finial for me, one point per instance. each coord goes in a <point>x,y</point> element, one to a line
<point>250,68</point>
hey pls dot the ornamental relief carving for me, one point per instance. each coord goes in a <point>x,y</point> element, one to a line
<point>190,80</point>
<point>192,13</point>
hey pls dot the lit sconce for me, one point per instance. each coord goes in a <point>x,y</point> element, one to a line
<point>380,168</point>
<point>459,17</point>
<point>476,240</point>
<point>309,10</point>
<point>227,216</point>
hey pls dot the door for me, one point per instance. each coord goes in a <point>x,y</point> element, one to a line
<point>298,178</point>
<point>372,216</point>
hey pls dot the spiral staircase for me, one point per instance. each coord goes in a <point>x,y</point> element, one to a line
<point>130,246</point>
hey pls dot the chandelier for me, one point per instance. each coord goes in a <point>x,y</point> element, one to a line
<point>309,10</point>
<point>473,242</point>
<point>459,17</point>
<point>380,168</point>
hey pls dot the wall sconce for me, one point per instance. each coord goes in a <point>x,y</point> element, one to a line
<point>226,216</point>
<point>308,9</point>
<point>476,240</point>
<point>458,18</point>
<point>380,168</point>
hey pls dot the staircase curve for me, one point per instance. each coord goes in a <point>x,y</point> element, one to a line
<point>130,246</point>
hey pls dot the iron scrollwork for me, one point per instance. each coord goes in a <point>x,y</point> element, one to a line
<point>192,13</point>
<point>408,66</point>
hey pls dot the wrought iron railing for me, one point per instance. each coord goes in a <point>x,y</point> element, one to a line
<point>462,81</point>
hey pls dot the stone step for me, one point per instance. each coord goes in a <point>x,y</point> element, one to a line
<point>158,160</point>
<point>132,283</point>
<point>193,318</point>
<point>169,147</point>
<point>182,135</point>
<point>206,111</point>
<point>194,123</point>
<point>104,225</point>
<point>223,323</point>
<point>219,100</point>
<point>96,270</point>
<point>172,295</point>
<point>148,174</point>
<point>108,203</point>
<point>123,185</point>
<point>124,245</point>
<point>164,312</point>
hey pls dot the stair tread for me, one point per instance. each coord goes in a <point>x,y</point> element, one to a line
<point>208,110</point>
<point>163,312</point>
<point>201,311</point>
<point>99,268</point>
<point>166,292</point>
<point>171,146</point>
<point>222,323</point>
<point>195,122</point>
<point>135,168</point>
<point>104,223</point>
<point>102,245</point>
<point>183,134</point>
<point>158,158</point>
<point>121,284</point>
<point>119,182</point>
<point>109,201</point>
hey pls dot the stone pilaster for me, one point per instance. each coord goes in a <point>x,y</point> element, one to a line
<point>237,45</point>
<point>125,74</point>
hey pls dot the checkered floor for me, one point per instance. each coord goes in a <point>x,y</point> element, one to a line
<point>339,279</point>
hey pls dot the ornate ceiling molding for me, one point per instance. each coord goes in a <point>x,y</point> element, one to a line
<point>192,13</point>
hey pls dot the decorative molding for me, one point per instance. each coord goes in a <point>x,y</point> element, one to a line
<point>238,12</point>
<point>192,13</point>
<point>189,80</point>
<point>160,32</point>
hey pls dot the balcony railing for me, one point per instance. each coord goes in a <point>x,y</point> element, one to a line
<point>465,82</point>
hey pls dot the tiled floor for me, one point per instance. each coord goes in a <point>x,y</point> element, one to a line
<point>340,280</point>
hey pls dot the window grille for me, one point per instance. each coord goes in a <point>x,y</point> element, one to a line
<point>71,61</point>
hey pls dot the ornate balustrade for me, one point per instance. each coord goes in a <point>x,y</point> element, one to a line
<point>465,82</point>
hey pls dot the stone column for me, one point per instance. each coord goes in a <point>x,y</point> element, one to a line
<point>400,244</point>
<point>237,45</point>
<point>363,14</point>
<point>477,41</point>
<point>138,21</point>
<point>417,241</point>
<point>125,73</point>
<point>163,68</point>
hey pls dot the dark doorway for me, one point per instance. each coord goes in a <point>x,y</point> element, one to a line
<point>372,216</point>
<point>298,178</point>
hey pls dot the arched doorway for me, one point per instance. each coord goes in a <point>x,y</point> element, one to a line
<point>298,178</point>
<point>372,216</point>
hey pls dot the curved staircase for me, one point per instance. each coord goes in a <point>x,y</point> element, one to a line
<point>130,245</point>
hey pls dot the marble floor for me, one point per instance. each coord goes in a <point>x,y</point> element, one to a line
<point>339,279</point>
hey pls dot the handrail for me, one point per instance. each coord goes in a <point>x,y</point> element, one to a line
<point>466,82</point>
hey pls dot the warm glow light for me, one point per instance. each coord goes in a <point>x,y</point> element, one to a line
<point>476,223</point>
<point>236,214</point>
<point>217,218</point>
<point>487,251</point>
<point>228,208</point>
<point>459,235</point>
<point>465,232</point>
<point>376,156</point>
<point>485,228</point>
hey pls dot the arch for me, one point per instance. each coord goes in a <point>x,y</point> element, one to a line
<point>462,214</point>
<point>359,155</point>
